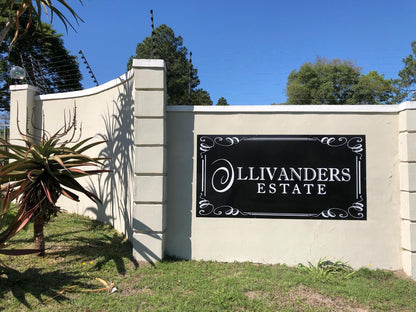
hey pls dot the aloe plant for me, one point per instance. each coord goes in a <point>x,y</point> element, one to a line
<point>37,174</point>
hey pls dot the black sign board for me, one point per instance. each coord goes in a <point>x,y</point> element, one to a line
<point>281,176</point>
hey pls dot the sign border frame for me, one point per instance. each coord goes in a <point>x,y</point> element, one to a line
<point>356,143</point>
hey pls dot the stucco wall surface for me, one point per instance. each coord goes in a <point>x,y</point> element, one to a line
<point>371,243</point>
<point>103,113</point>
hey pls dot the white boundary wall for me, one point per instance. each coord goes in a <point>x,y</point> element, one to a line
<point>104,112</point>
<point>151,194</point>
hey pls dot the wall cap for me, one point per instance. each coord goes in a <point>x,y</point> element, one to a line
<point>86,92</point>
<point>24,87</point>
<point>395,108</point>
<point>145,63</point>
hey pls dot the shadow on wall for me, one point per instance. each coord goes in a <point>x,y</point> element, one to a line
<point>115,189</point>
<point>140,246</point>
<point>180,175</point>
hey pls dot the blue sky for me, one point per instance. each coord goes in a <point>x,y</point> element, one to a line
<point>244,50</point>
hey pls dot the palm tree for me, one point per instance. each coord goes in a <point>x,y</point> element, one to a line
<point>16,8</point>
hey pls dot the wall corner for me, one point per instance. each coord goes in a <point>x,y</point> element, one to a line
<point>407,169</point>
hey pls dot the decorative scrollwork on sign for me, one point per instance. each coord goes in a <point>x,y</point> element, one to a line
<point>334,142</point>
<point>356,210</point>
<point>334,213</point>
<point>208,209</point>
<point>205,207</point>
<point>227,141</point>
<point>355,144</point>
<point>206,142</point>
<point>223,177</point>
<point>226,210</point>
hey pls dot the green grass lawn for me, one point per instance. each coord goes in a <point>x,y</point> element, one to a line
<point>82,250</point>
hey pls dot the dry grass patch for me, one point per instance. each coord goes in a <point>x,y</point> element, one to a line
<point>255,294</point>
<point>316,300</point>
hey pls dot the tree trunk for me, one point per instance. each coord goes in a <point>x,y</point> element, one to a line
<point>38,225</point>
<point>10,22</point>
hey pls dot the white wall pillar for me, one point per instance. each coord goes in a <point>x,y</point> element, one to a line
<point>23,109</point>
<point>407,167</point>
<point>149,215</point>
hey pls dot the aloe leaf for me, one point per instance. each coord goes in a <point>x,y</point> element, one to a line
<point>15,176</point>
<point>83,149</point>
<point>19,252</point>
<point>59,161</point>
<point>77,170</point>
<point>47,192</point>
<point>17,224</point>
<point>79,144</point>
<point>34,174</point>
<point>17,165</point>
<point>73,184</point>
<point>70,195</point>
<point>9,155</point>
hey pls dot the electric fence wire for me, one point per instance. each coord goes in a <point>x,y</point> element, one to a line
<point>182,80</point>
<point>52,74</point>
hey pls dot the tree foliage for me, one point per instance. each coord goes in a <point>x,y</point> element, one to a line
<point>338,82</point>
<point>16,9</point>
<point>181,76</point>
<point>408,73</point>
<point>222,101</point>
<point>200,97</point>
<point>375,89</point>
<point>43,49</point>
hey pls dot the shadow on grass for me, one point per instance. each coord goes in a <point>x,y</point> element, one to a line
<point>84,241</point>
<point>106,249</point>
<point>49,238</point>
<point>34,282</point>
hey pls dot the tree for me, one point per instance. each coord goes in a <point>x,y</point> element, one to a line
<point>200,97</point>
<point>42,49</point>
<point>408,73</point>
<point>222,101</point>
<point>16,9</point>
<point>181,76</point>
<point>338,82</point>
<point>37,174</point>
<point>375,89</point>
